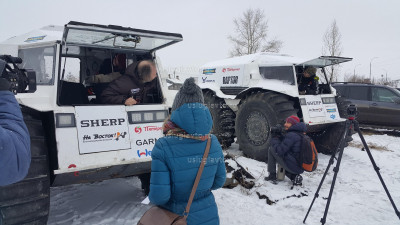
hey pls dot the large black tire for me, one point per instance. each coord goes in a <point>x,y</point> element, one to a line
<point>257,113</point>
<point>28,201</point>
<point>223,119</point>
<point>327,141</point>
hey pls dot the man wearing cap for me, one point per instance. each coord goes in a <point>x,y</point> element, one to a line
<point>308,81</point>
<point>285,150</point>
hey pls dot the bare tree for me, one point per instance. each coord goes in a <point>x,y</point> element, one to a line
<point>251,34</point>
<point>333,47</point>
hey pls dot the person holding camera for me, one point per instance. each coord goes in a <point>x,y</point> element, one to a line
<point>15,153</point>
<point>285,149</point>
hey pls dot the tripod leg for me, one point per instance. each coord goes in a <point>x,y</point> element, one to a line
<point>331,161</point>
<point>336,170</point>
<point>376,168</point>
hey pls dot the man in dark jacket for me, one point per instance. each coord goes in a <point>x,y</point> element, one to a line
<point>134,86</point>
<point>285,150</point>
<point>15,154</point>
<point>308,81</point>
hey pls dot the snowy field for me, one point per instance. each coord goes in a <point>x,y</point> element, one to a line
<point>358,198</point>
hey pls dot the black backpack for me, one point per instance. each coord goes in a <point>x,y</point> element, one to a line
<point>308,157</point>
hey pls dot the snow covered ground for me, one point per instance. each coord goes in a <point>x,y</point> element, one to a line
<point>358,198</point>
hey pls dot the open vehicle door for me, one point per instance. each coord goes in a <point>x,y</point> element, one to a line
<point>111,36</point>
<point>324,61</point>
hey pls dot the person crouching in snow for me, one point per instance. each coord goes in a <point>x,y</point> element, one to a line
<point>177,157</point>
<point>285,150</point>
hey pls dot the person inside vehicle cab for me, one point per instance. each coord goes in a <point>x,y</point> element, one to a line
<point>308,81</point>
<point>135,86</point>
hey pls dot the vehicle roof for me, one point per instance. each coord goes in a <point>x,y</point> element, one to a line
<point>50,33</point>
<point>53,33</point>
<point>359,84</point>
<point>275,59</point>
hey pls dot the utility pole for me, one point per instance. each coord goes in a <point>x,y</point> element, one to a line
<point>370,69</point>
<point>355,69</point>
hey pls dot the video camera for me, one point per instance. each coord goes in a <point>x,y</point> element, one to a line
<point>352,111</point>
<point>19,79</point>
<point>277,130</point>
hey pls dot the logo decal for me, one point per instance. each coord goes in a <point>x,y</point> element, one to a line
<point>230,80</point>
<point>208,71</point>
<point>138,130</point>
<point>33,39</point>
<point>331,110</point>
<point>120,135</point>
<point>333,116</point>
<point>144,153</point>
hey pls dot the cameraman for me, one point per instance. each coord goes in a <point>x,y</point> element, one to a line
<point>15,154</point>
<point>285,150</point>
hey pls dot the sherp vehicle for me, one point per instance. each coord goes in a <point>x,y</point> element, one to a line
<point>248,95</point>
<point>75,138</point>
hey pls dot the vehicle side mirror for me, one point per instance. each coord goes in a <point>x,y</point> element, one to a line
<point>396,100</point>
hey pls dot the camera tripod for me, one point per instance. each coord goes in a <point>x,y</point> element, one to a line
<point>349,122</point>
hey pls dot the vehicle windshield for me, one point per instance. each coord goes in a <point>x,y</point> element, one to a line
<point>41,60</point>
<point>397,91</point>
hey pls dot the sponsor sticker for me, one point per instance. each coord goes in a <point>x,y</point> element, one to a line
<point>205,80</point>
<point>143,153</point>
<point>230,80</point>
<point>208,71</point>
<point>331,110</point>
<point>230,69</point>
<point>34,39</point>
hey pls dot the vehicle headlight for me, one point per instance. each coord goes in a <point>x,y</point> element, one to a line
<point>147,116</point>
<point>329,100</point>
<point>65,120</point>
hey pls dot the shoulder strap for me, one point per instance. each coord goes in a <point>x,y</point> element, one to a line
<point>196,182</point>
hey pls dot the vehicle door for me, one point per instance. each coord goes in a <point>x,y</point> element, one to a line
<point>386,109</point>
<point>360,96</point>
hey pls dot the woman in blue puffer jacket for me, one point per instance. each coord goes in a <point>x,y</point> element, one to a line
<point>176,159</point>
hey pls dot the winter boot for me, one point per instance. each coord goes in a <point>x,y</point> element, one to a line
<point>271,178</point>
<point>298,180</point>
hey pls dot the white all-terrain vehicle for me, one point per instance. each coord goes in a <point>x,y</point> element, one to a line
<point>248,95</point>
<point>74,138</point>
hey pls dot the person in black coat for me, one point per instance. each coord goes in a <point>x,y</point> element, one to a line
<point>308,81</point>
<point>139,79</point>
<point>285,150</point>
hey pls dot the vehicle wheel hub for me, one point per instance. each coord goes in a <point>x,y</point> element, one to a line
<point>257,128</point>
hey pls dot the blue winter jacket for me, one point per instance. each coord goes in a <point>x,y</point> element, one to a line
<point>176,161</point>
<point>15,154</point>
<point>289,147</point>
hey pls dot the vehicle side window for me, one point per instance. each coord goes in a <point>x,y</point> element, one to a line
<point>284,73</point>
<point>358,93</point>
<point>342,91</point>
<point>72,69</point>
<point>41,60</point>
<point>382,95</point>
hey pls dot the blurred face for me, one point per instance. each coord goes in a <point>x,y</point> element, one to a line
<point>153,74</point>
<point>153,71</point>
<point>287,125</point>
<point>306,74</point>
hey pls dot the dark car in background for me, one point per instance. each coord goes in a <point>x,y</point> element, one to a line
<point>378,105</point>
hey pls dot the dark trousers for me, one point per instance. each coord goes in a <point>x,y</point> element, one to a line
<point>274,158</point>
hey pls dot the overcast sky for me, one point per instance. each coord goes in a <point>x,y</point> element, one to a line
<point>369,28</point>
